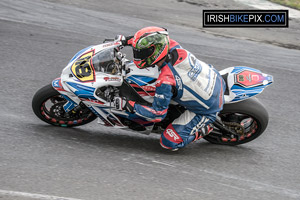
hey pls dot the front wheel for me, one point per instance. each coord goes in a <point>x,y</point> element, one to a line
<point>47,104</point>
<point>247,118</point>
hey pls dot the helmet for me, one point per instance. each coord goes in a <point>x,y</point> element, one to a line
<point>150,45</point>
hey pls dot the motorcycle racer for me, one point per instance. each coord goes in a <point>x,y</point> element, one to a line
<point>193,84</point>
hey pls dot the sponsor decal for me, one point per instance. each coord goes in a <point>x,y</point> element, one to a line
<point>221,95</point>
<point>160,96</point>
<point>158,83</point>
<point>172,134</point>
<point>108,44</point>
<point>179,82</point>
<point>160,51</point>
<point>244,96</point>
<point>196,67</point>
<point>249,78</point>
<point>56,83</point>
<point>148,88</point>
<point>92,100</point>
<point>112,79</point>
<point>241,78</point>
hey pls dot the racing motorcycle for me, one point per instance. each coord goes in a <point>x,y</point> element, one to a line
<point>95,79</point>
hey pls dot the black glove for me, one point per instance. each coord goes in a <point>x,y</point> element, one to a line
<point>124,104</point>
<point>127,39</point>
<point>129,106</point>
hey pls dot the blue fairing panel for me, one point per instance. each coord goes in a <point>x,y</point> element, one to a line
<point>83,91</point>
<point>79,53</point>
<point>140,80</point>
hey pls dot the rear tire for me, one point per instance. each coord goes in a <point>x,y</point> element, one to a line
<point>251,108</point>
<point>54,114</point>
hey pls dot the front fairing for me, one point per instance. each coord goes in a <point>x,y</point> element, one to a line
<point>89,69</point>
<point>89,74</point>
<point>85,63</point>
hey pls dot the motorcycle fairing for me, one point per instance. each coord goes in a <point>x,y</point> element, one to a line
<point>143,85</point>
<point>70,104</point>
<point>78,84</point>
<point>83,69</point>
<point>79,53</point>
<point>108,115</point>
<point>141,80</point>
<point>56,84</point>
<point>82,91</point>
<point>244,82</point>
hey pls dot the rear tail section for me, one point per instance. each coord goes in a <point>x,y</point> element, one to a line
<point>244,82</point>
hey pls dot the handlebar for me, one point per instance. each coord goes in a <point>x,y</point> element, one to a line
<point>120,38</point>
<point>108,40</point>
<point>121,57</point>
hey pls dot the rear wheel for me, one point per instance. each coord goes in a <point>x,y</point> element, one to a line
<point>47,104</point>
<point>248,119</point>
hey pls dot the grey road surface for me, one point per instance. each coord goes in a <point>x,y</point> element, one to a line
<point>91,162</point>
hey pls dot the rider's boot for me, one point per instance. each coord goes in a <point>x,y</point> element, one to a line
<point>203,132</point>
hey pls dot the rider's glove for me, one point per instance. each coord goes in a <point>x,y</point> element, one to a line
<point>124,104</point>
<point>125,40</point>
<point>120,38</point>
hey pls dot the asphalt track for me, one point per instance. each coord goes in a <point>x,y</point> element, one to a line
<point>91,162</point>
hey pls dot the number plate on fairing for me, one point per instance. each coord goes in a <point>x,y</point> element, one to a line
<point>249,78</point>
<point>83,69</point>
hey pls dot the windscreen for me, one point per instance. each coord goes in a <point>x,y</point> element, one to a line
<point>104,61</point>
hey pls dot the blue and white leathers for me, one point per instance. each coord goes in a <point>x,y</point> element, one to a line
<point>193,84</point>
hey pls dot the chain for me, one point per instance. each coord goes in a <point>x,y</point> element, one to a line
<point>239,129</point>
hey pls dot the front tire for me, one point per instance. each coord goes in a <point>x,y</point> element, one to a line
<point>47,104</point>
<point>250,113</point>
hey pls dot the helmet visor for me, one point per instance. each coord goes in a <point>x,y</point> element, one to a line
<point>141,54</point>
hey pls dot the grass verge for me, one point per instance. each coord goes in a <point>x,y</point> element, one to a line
<point>290,3</point>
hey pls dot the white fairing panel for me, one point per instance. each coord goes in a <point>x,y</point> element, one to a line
<point>243,83</point>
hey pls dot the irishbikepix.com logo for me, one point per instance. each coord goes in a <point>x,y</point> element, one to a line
<point>245,18</point>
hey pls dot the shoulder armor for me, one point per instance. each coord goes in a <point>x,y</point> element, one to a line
<point>166,77</point>
<point>177,56</point>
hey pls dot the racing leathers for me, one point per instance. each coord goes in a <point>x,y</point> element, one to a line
<point>193,84</point>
